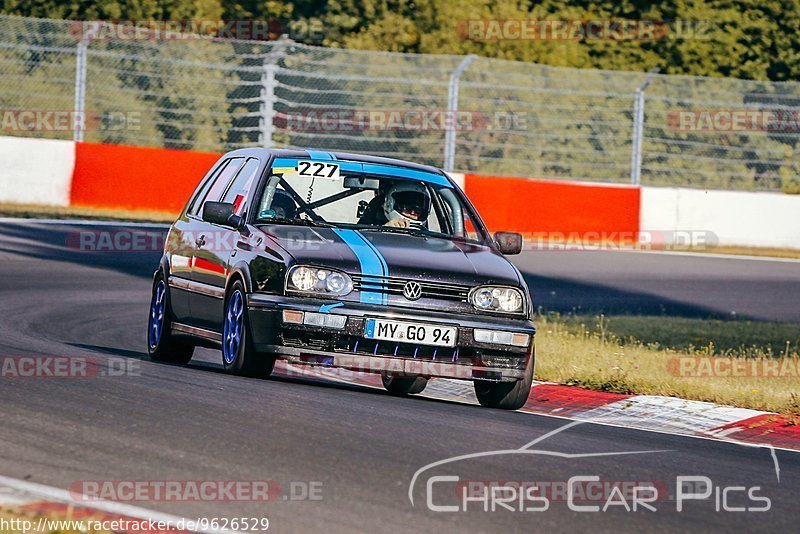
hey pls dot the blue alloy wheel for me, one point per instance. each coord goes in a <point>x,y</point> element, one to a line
<point>232,330</point>
<point>157,307</point>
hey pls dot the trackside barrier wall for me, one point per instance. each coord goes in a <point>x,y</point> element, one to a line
<point>36,171</point>
<point>734,217</point>
<point>136,178</point>
<point>64,173</point>
<point>558,210</point>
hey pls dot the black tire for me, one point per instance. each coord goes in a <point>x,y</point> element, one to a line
<point>239,357</point>
<point>162,345</point>
<point>403,385</point>
<point>506,395</point>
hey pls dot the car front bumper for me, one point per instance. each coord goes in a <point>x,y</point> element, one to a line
<point>348,348</point>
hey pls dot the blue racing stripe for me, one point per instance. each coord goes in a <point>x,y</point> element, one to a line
<point>377,252</point>
<point>404,172</point>
<point>318,154</point>
<point>371,262</point>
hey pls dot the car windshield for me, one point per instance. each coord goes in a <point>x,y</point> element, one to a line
<point>366,197</point>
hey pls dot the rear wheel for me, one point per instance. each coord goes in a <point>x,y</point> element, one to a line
<point>238,355</point>
<point>162,345</point>
<point>506,395</point>
<point>403,385</point>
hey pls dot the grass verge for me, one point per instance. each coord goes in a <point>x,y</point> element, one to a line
<point>37,211</point>
<point>740,363</point>
<point>789,253</point>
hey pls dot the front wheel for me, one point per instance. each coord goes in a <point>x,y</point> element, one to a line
<point>162,346</point>
<point>403,385</point>
<point>238,355</point>
<point>506,395</point>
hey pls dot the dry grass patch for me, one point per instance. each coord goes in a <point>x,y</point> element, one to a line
<point>575,351</point>
<point>36,211</point>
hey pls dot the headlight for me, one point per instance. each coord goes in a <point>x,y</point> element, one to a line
<point>498,299</point>
<point>316,280</point>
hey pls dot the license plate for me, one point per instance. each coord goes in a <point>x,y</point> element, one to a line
<point>420,333</point>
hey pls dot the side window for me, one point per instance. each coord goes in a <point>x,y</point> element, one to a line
<point>225,177</point>
<point>201,194</point>
<point>215,187</point>
<point>470,231</point>
<point>237,192</point>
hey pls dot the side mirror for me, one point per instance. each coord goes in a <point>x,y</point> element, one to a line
<point>508,242</point>
<point>222,213</point>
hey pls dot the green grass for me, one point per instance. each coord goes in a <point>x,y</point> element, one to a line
<point>643,355</point>
<point>713,337</point>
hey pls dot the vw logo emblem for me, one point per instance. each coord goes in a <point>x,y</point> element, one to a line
<point>412,290</point>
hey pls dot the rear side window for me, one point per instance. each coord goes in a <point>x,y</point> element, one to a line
<point>213,189</point>
<point>237,192</point>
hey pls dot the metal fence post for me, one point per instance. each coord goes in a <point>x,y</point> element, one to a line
<point>267,106</point>
<point>638,128</point>
<point>452,108</point>
<point>79,122</point>
<point>636,149</point>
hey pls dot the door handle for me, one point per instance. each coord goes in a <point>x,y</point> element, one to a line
<point>200,241</point>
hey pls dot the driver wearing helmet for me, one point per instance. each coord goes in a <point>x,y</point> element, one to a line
<point>407,205</point>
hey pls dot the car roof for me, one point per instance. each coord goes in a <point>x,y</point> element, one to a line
<point>325,154</point>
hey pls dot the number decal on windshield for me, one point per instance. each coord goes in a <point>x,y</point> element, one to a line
<point>317,169</point>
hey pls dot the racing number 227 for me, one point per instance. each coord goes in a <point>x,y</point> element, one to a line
<point>317,169</point>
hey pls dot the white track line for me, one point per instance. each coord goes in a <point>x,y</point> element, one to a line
<point>50,493</point>
<point>451,394</point>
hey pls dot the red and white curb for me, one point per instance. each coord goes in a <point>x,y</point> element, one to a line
<point>644,412</point>
<point>23,497</point>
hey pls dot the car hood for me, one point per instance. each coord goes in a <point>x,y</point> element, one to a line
<point>404,255</point>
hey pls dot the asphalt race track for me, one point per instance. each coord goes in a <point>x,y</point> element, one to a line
<point>360,447</point>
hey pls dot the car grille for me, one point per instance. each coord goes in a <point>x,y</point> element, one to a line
<point>347,343</point>
<point>394,286</point>
<point>372,347</point>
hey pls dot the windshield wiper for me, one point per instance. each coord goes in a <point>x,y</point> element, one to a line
<point>397,230</point>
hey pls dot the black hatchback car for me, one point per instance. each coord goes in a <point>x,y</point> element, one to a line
<point>347,261</point>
